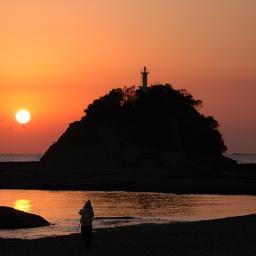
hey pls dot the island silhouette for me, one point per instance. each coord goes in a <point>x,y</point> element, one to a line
<point>134,126</point>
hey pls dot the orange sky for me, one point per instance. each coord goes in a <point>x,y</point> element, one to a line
<point>58,55</point>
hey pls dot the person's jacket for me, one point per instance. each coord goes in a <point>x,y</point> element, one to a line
<point>87,215</point>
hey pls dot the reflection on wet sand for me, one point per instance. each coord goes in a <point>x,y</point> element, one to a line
<point>24,205</point>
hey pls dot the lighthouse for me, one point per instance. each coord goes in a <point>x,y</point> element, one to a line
<point>144,75</point>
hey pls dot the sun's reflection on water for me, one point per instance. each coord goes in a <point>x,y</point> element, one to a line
<point>24,205</point>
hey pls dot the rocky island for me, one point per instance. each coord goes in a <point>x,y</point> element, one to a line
<point>151,126</point>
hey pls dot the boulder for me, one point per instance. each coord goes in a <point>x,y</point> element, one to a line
<point>14,219</point>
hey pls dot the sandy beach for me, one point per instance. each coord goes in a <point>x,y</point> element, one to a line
<point>230,236</point>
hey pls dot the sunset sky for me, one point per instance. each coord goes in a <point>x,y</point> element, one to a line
<point>59,55</point>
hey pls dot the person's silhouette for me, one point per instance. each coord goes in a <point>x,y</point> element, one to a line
<point>87,215</point>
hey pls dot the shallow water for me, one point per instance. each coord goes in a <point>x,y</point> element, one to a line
<point>111,209</point>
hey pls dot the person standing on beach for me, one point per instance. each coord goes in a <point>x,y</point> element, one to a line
<point>86,219</point>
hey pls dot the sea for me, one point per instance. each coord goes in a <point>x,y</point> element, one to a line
<point>11,157</point>
<point>117,208</point>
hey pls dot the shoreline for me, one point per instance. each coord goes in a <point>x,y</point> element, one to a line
<point>179,180</point>
<point>222,237</point>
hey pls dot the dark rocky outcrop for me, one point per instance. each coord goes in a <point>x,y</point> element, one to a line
<point>14,219</point>
<point>157,127</point>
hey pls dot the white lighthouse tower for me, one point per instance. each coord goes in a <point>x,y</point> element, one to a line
<point>144,75</point>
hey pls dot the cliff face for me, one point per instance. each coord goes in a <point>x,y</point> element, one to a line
<point>131,126</point>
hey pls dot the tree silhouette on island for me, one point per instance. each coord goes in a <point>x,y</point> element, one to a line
<point>158,125</point>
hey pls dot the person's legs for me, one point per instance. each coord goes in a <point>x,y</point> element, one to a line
<point>88,236</point>
<point>83,234</point>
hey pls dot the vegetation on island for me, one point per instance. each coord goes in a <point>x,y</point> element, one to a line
<point>130,124</point>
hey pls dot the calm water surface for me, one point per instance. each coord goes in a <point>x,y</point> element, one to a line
<point>19,157</point>
<point>240,158</point>
<point>61,208</point>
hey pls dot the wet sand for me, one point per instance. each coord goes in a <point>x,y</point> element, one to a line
<point>224,237</point>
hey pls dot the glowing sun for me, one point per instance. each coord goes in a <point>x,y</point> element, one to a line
<point>22,116</point>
